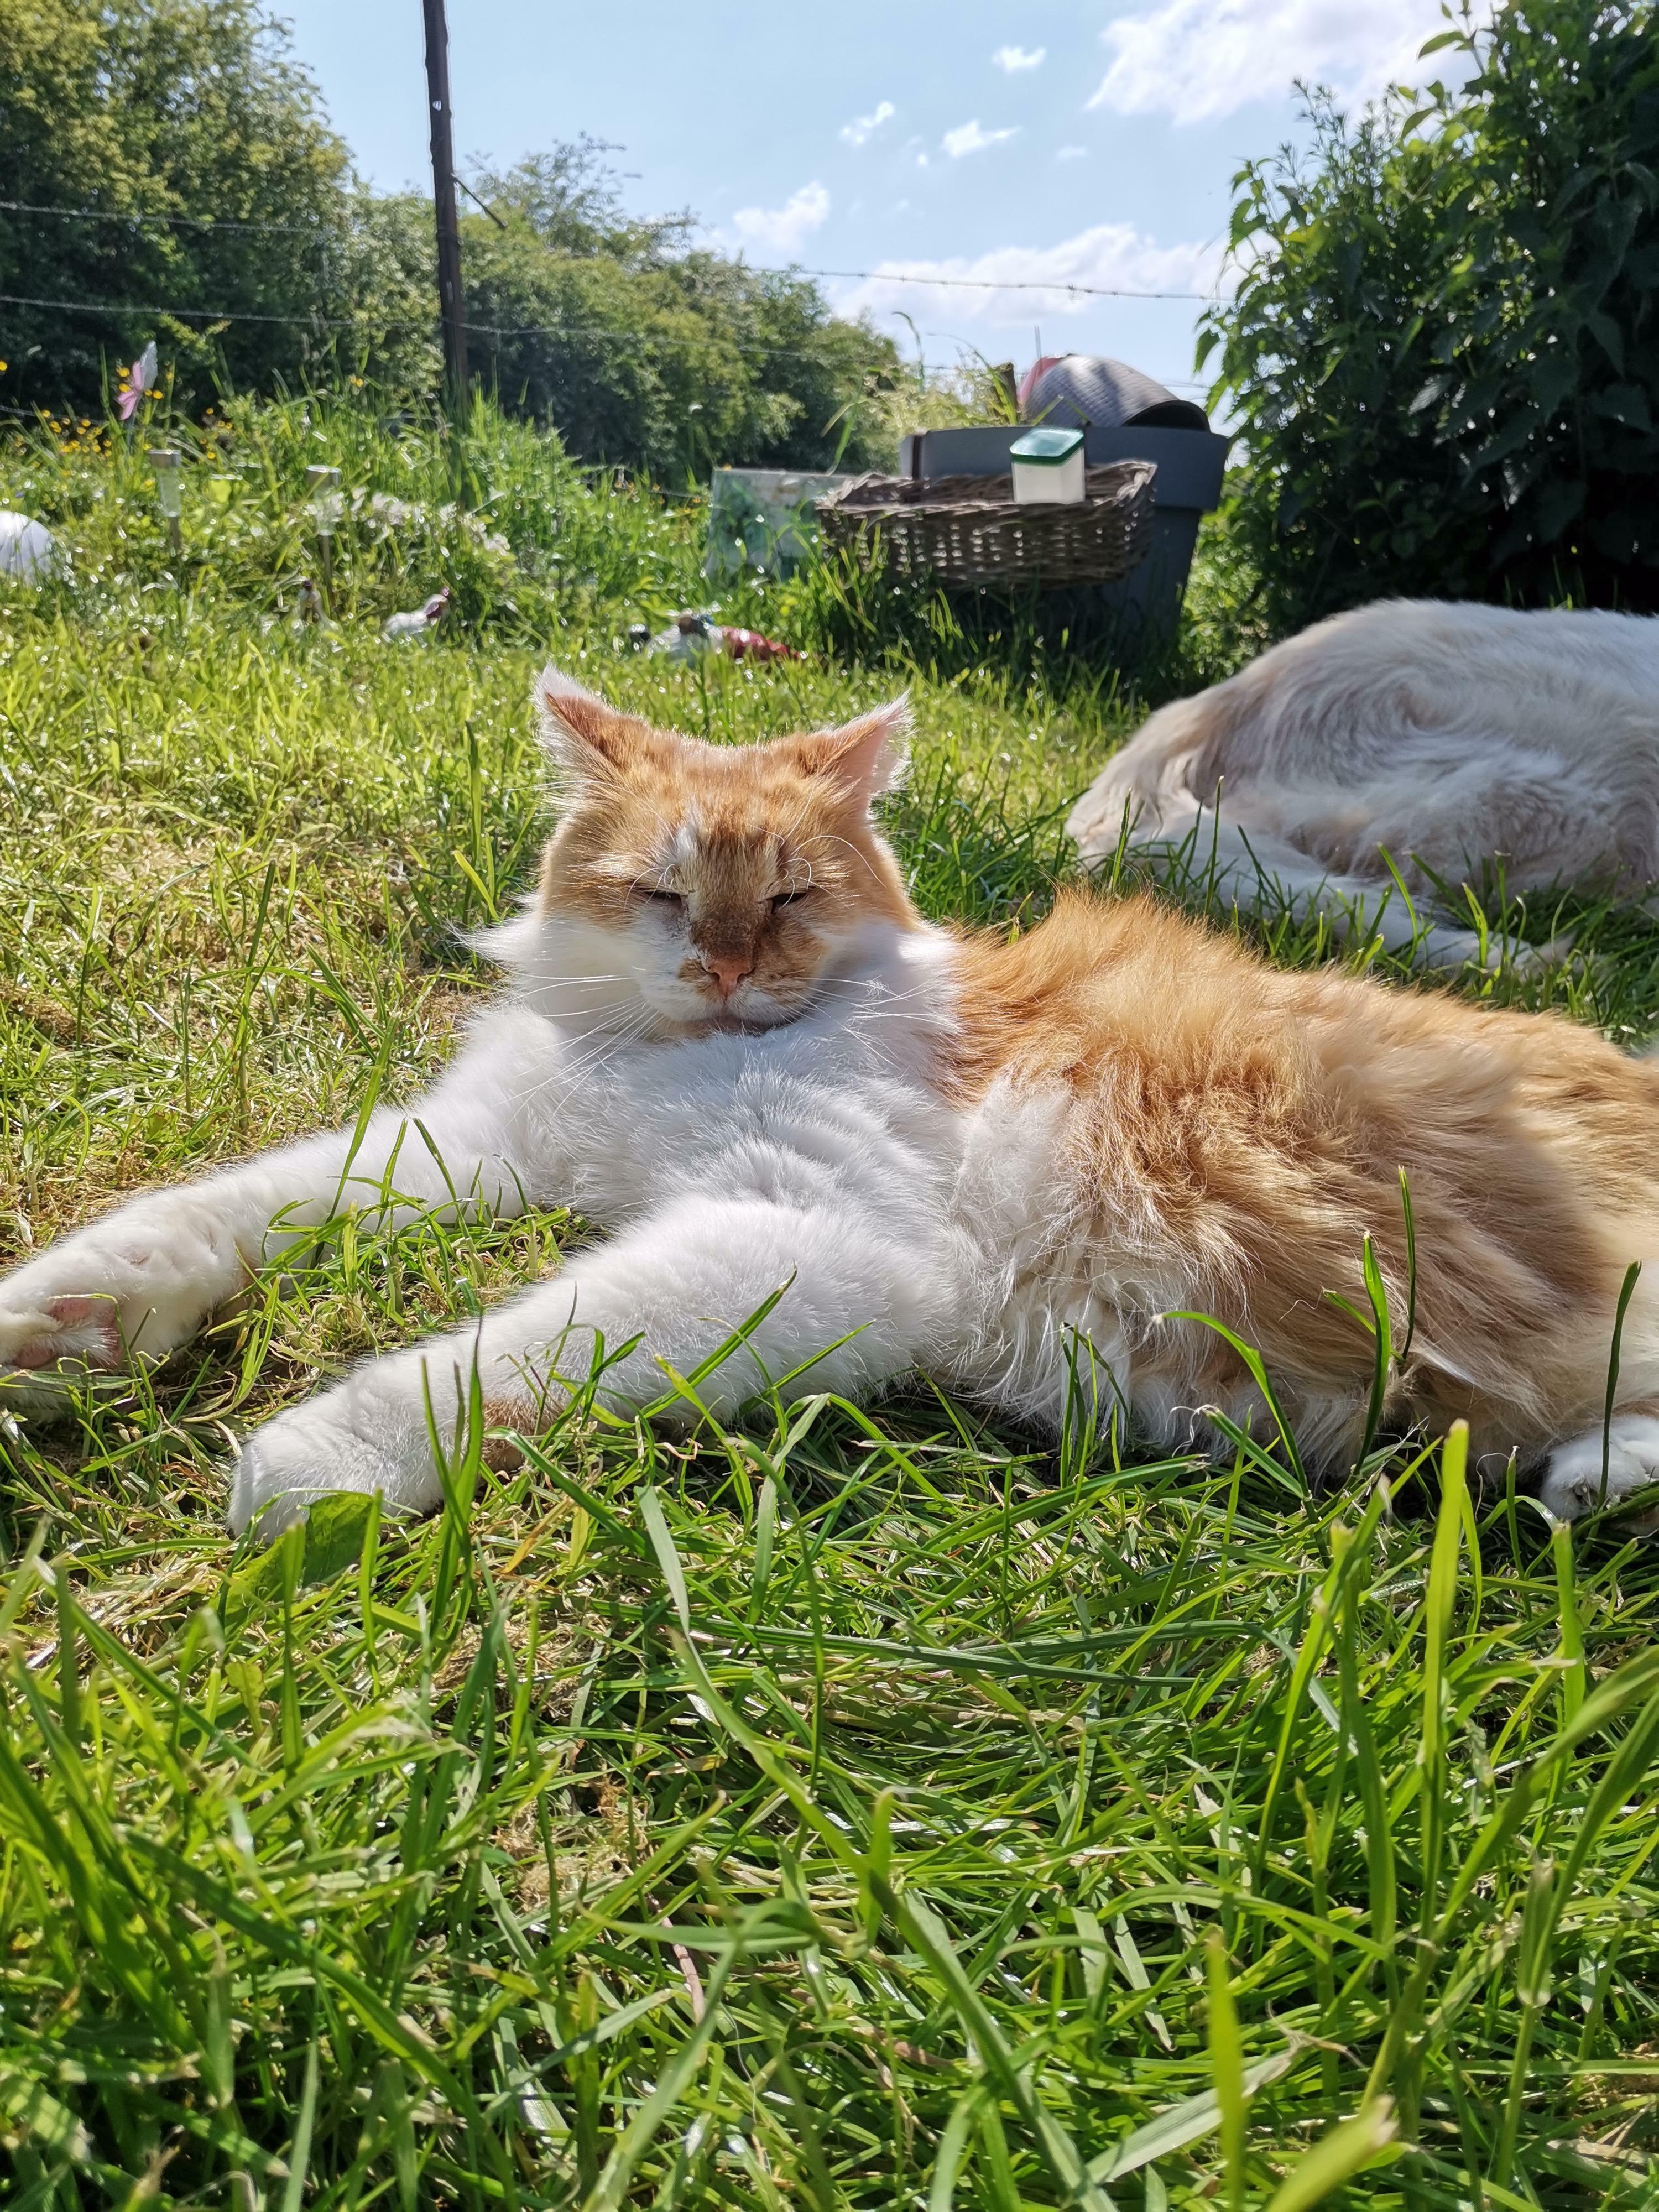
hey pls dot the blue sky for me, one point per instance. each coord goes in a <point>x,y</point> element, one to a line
<point>984,140</point>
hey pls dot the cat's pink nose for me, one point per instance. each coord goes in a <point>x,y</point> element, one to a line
<point>728,968</point>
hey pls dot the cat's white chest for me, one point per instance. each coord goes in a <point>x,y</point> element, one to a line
<point>796,1117</point>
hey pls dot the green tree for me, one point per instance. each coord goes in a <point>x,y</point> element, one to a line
<point>641,348</point>
<point>169,154</point>
<point>1442,352</point>
<point>203,177</point>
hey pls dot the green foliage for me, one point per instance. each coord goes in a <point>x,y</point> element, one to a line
<point>154,114</point>
<point>641,349</point>
<point>1442,350</point>
<point>536,543</point>
<point>171,122</point>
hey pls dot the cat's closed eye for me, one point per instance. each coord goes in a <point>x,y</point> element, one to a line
<point>665,897</point>
<point>788,898</point>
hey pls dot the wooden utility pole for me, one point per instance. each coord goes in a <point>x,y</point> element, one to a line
<point>451,304</point>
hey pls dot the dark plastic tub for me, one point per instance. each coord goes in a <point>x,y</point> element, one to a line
<point>1145,607</point>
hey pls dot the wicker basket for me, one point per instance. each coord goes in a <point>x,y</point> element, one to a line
<point>967,530</point>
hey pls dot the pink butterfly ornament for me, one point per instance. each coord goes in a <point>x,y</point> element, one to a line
<point>141,378</point>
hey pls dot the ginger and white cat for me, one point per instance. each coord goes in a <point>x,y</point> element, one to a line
<point>1450,737</point>
<point>730,1041</point>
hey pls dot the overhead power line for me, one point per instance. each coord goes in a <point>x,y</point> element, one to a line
<point>172,221</point>
<point>1009,284</point>
<point>367,325</point>
<point>857,276</point>
<point>194,315</point>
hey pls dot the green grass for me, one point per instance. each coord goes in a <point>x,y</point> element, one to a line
<point>870,1809</point>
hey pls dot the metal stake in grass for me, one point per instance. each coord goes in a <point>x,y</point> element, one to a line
<point>1630,1274</point>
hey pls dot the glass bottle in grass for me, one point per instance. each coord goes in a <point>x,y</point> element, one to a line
<point>1048,467</point>
<point>327,505</point>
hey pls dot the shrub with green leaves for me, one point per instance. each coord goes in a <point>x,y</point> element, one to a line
<point>165,155</point>
<point>197,170</point>
<point>641,346</point>
<point>1443,352</point>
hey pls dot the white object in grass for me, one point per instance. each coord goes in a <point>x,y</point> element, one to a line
<point>419,621</point>
<point>327,500</point>
<point>1409,745</point>
<point>28,549</point>
<point>1048,467</point>
<point>169,487</point>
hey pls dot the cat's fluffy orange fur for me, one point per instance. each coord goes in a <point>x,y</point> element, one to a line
<point>1231,1132</point>
<point>1239,1130</point>
<point>731,1041</point>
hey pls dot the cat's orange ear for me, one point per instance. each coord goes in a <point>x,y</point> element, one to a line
<point>585,739</point>
<point>868,756</point>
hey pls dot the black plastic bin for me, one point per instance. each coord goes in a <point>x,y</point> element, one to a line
<point>1145,607</point>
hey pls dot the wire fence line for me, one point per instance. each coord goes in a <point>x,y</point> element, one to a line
<point>200,314</point>
<point>858,276</point>
<point>1012,284</point>
<point>367,325</point>
<point>173,221</point>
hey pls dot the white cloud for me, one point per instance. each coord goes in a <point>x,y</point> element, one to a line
<point>785,230</point>
<point>1112,255</point>
<point>1012,59</point>
<point>969,138</point>
<point>1072,154</point>
<point>1197,60</point>
<point>855,132</point>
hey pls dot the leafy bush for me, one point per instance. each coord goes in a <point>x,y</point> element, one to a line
<point>1442,352</point>
<point>169,153</point>
<point>640,348</point>
<point>152,115</point>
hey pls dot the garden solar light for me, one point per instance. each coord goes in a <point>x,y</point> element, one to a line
<point>169,490</point>
<point>326,508</point>
<point>1048,467</point>
<point>326,504</point>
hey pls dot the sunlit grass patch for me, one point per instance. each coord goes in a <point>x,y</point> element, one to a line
<point>862,1808</point>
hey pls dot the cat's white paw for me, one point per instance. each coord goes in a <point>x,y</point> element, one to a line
<point>1572,1480</point>
<point>331,1442</point>
<point>133,1287</point>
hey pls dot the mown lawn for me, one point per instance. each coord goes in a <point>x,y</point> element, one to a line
<point>859,1810</point>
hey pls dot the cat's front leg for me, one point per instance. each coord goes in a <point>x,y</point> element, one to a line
<point>1598,1469</point>
<point>131,1287</point>
<point>862,1302</point>
<point>142,1281</point>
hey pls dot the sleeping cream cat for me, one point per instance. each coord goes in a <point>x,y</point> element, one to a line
<point>732,1045</point>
